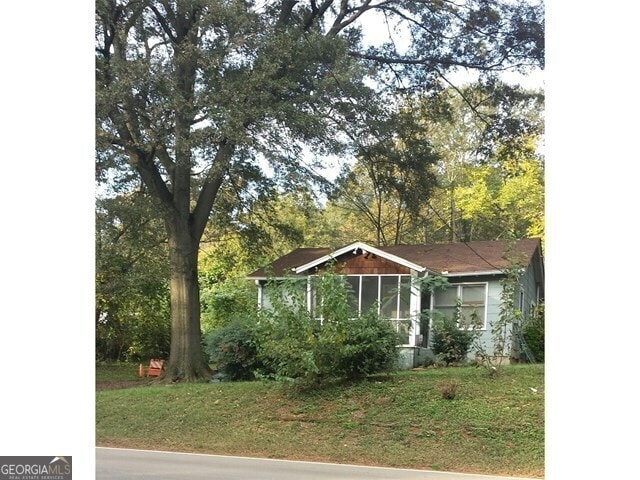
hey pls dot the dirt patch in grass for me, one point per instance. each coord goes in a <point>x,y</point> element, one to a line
<point>115,385</point>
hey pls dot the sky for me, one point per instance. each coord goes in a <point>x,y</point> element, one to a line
<point>592,183</point>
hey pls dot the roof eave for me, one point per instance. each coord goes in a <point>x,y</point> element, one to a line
<point>472,274</point>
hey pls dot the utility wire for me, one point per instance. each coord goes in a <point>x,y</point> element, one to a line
<point>448,225</point>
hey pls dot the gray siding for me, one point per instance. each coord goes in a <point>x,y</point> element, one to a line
<point>530,289</point>
<point>493,314</point>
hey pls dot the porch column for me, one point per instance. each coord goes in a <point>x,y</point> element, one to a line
<point>309,295</point>
<point>259,284</point>
<point>414,311</point>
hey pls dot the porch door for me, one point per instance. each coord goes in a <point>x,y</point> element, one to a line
<point>425,322</point>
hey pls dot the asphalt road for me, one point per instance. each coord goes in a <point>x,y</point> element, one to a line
<point>122,464</point>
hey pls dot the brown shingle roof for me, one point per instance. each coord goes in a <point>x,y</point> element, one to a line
<point>464,257</point>
<point>454,258</point>
<point>284,265</point>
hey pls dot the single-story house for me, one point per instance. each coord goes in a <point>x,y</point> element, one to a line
<point>385,275</point>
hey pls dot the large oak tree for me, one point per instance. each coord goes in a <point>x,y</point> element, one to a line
<point>197,95</point>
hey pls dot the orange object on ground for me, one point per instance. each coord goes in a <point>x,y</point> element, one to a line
<point>153,370</point>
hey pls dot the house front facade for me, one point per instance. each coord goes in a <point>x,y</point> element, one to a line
<point>390,277</point>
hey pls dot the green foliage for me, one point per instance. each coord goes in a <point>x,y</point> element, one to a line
<point>135,329</point>
<point>223,301</point>
<point>509,312</point>
<point>233,348</point>
<point>369,346</point>
<point>287,331</point>
<point>331,343</point>
<point>450,344</point>
<point>132,297</point>
<point>387,185</point>
<point>509,315</point>
<point>224,291</point>
<point>533,332</point>
<point>490,172</point>
<point>461,164</point>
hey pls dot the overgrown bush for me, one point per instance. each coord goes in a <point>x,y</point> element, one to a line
<point>370,346</point>
<point>233,348</point>
<point>285,330</point>
<point>328,343</point>
<point>450,344</point>
<point>533,332</point>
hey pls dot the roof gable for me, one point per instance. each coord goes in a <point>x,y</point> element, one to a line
<point>364,249</point>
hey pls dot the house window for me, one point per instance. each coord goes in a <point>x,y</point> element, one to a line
<point>465,302</point>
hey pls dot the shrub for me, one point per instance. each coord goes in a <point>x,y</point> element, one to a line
<point>449,343</point>
<point>233,348</point>
<point>369,346</point>
<point>298,345</point>
<point>286,332</point>
<point>533,332</point>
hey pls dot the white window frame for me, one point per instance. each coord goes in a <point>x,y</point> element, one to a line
<point>458,286</point>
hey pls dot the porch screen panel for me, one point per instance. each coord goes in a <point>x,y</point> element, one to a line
<point>266,298</point>
<point>353,287</point>
<point>405,297</point>
<point>389,296</point>
<point>369,294</point>
<point>403,328</point>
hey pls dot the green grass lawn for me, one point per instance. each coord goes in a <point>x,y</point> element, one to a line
<point>494,425</point>
<point>116,371</point>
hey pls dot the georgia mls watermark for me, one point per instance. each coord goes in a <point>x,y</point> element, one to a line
<point>35,468</point>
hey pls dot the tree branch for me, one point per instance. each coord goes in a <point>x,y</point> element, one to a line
<point>428,60</point>
<point>339,25</point>
<point>285,13</point>
<point>316,12</point>
<point>209,190</point>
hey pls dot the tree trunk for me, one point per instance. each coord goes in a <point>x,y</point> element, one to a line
<point>186,360</point>
<point>454,236</point>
